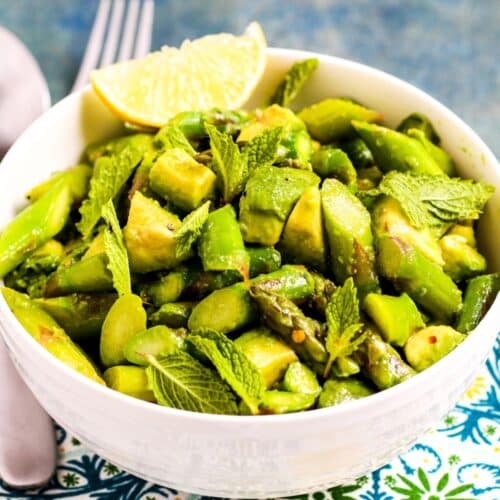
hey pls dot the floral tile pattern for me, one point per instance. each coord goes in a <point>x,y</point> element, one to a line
<point>458,460</point>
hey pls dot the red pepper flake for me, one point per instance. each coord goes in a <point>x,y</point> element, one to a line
<point>432,339</point>
<point>46,334</point>
<point>298,336</point>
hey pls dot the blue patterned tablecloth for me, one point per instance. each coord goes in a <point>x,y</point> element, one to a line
<point>449,48</point>
<point>458,460</point>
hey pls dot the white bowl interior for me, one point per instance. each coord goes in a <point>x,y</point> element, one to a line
<point>248,456</point>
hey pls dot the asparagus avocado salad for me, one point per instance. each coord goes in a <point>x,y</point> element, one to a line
<point>263,262</point>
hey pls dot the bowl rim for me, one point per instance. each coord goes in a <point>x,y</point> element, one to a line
<point>360,406</point>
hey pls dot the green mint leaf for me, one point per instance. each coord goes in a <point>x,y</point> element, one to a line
<point>293,82</point>
<point>343,322</point>
<point>233,366</point>
<point>171,136</point>
<point>111,147</point>
<point>434,201</point>
<point>404,188</point>
<point>190,230</point>
<point>116,251</point>
<point>228,163</point>
<point>110,175</point>
<point>455,199</point>
<point>180,381</point>
<point>262,150</point>
<point>343,308</point>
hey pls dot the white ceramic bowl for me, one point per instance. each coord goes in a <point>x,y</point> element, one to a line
<point>264,456</point>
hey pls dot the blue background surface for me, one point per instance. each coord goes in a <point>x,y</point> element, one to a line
<point>449,48</point>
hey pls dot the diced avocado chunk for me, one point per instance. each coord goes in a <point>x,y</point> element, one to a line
<point>270,195</point>
<point>96,246</point>
<point>461,261</point>
<point>300,378</point>
<point>330,119</point>
<point>303,240</point>
<point>264,228</point>
<point>396,317</point>
<point>336,391</point>
<point>278,402</point>
<point>149,235</point>
<point>465,231</point>
<point>267,352</point>
<point>129,380</point>
<point>388,218</point>
<point>182,180</point>
<point>271,117</point>
<point>429,345</point>
<point>348,229</point>
<point>345,366</point>
<point>276,190</point>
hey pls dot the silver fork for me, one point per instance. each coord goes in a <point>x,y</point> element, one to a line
<point>28,448</point>
<point>115,37</point>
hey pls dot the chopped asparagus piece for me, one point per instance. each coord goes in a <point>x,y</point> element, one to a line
<point>348,227</point>
<point>337,391</point>
<point>461,261</point>
<point>155,341</point>
<point>299,378</point>
<point>479,295</point>
<point>330,119</point>
<point>278,402</point>
<point>45,330</point>
<point>381,363</point>
<point>423,280</point>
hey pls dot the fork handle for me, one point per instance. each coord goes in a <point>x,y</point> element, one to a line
<point>27,442</point>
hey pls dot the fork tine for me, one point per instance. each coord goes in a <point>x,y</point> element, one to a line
<point>143,42</point>
<point>94,45</point>
<point>108,30</point>
<point>109,51</point>
<point>129,31</point>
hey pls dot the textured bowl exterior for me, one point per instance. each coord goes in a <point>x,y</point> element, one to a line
<point>264,456</point>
